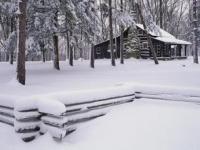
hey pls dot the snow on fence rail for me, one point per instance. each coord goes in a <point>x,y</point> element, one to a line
<point>7,115</point>
<point>75,113</point>
<point>168,93</point>
<point>80,106</point>
<point>27,123</point>
<point>7,110</point>
<point>59,113</point>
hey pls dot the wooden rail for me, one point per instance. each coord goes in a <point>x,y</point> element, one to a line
<point>168,97</point>
<point>32,122</point>
<point>27,123</point>
<point>7,115</point>
<point>61,125</point>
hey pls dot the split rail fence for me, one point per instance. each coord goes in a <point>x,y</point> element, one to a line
<point>62,116</point>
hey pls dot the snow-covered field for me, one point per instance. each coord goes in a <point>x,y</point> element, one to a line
<point>144,124</point>
<point>42,78</point>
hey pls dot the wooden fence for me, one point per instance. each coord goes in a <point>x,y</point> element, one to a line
<point>7,115</point>
<point>31,122</point>
<point>168,96</point>
<point>65,123</point>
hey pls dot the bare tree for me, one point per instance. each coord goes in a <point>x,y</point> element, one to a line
<point>147,34</point>
<point>161,13</point>
<point>12,51</point>
<point>71,55</point>
<point>92,58</point>
<point>103,17</point>
<point>122,38</point>
<point>55,43</point>
<point>21,71</point>
<point>195,22</point>
<point>111,34</point>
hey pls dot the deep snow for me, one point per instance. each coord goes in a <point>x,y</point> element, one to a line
<point>142,125</point>
<point>43,79</point>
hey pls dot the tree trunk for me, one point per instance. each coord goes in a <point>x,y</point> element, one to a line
<point>161,14</point>
<point>43,56</point>
<point>122,39</point>
<point>68,44</point>
<point>42,49</point>
<point>111,34</point>
<point>11,57</point>
<point>42,43</point>
<point>56,49</point>
<point>71,63</point>
<point>195,22</point>
<point>21,71</point>
<point>92,59</point>
<point>148,37</point>
<point>116,28</point>
<point>81,49</point>
<point>103,26</point>
<point>56,52</point>
<point>12,51</point>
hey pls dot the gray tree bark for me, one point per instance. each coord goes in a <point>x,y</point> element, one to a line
<point>21,71</point>
<point>56,52</point>
<point>42,49</point>
<point>196,60</point>
<point>12,51</point>
<point>161,14</point>
<point>122,39</point>
<point>111,34</point>
<point>148,37</point>
<point>92,59</point>
<point>56,49</point>
<point>71,55</point>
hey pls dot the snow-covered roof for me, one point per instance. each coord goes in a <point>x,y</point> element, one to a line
<point>165,36</point>
<point>172,40</point>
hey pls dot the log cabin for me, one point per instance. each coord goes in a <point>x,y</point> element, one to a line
<point>166,45</point>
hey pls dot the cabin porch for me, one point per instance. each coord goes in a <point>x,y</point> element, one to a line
<point>170,51</point>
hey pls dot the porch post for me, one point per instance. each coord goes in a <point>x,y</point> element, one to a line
<point>185,50</point>
<point>178,52</point>
<point>161,49</point>
<point>175,51</point>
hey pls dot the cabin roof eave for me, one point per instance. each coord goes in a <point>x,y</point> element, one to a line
<point>172,41</point>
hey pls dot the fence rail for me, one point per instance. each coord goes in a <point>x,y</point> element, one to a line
<point>63,115</point>
<point>61,125</point>
<point>168,97</point>
<point>30,122</point>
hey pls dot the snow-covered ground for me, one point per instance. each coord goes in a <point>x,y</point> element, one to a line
<point>144,124</point>
<point>42,78</point>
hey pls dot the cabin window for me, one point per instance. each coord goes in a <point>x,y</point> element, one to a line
<point>145,45</point>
